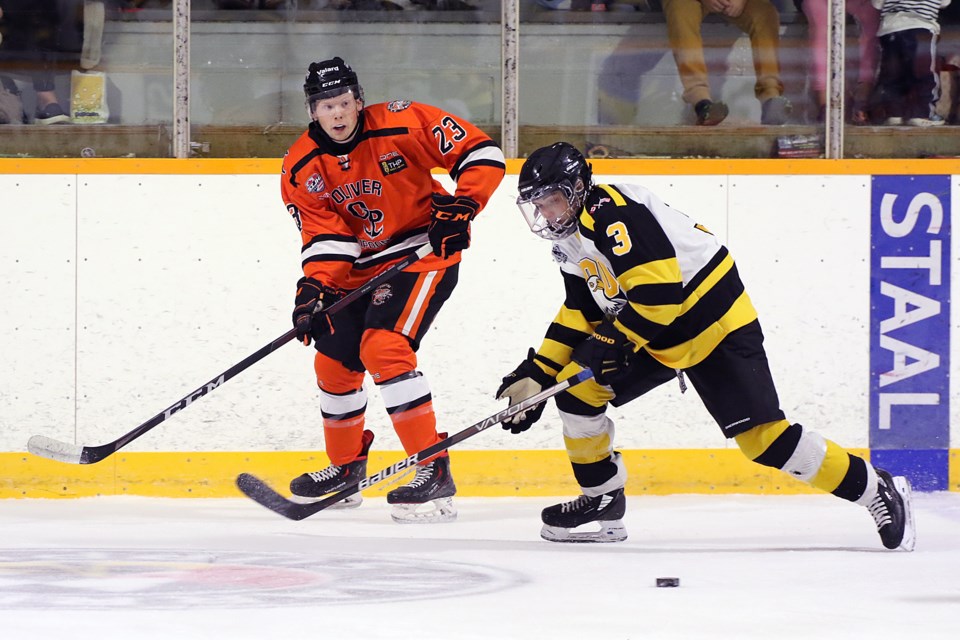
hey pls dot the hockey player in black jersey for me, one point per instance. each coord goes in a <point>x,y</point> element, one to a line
<point>652,296</point>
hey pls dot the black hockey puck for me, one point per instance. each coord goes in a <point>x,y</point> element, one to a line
<point>668,582</point>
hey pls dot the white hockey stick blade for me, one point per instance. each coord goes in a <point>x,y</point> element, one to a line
<point>54,449</point>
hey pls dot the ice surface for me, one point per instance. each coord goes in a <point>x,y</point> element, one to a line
<point>750,567</point>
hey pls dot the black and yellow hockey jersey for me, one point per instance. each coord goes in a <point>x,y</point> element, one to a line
<point>669,285</point>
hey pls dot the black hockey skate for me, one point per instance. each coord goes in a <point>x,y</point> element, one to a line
<point>311,487</point>
<point>433,485</point>
<point>606,510</point>
<point>892,511</point>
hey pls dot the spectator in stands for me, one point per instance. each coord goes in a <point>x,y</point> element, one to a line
<point>760,20</point>
<point>30,35</point>
<point>11,107</point>
<point>868,20</point>
<point>908,84</point>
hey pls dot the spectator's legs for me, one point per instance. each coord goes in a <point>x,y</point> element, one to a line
<point>868,21</point>
<point>45,99</point>
<point>817,27</point>
<point>761,22</point>
<point>892,79</point>
<point>684,18</point>
<point>926,80</point>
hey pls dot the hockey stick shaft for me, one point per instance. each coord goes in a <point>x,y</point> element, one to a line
<point>260,492</point>
<point>77,454</point>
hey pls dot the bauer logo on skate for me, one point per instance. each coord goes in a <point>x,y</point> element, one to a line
<point>910,327</point>
<point>199,393</point>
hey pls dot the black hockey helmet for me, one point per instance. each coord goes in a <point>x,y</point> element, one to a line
<point>328,79</point>
<point>549,174</point>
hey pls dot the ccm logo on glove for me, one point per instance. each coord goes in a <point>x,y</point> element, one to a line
<point>450,217</point>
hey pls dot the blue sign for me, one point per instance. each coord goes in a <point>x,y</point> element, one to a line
<point>910,328</point>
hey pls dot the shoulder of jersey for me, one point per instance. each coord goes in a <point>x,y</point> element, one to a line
<point>399,112</point>
<point>300,147</point>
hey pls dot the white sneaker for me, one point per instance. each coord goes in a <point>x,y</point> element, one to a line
<point>932,121</point>
<point>893,121</point>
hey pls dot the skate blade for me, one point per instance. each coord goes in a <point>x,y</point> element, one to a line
<point>351,502</point>
<point>902,485</point>
<point>439,510</point>
<point>610,531</point>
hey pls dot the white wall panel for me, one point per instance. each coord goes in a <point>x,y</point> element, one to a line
<point>802,244</point>
<point>179,277</point>
<point>37,319</point>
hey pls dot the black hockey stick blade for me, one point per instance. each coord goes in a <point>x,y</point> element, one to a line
<point>260,492</point>
<point>79,454</point>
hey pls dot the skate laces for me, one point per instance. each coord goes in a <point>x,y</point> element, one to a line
<point>325,474</point>
<point>574,504</point>
<point>878,507</point>
<point>424,474</point>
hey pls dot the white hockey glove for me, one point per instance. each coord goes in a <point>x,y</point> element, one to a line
<point>525,381</point>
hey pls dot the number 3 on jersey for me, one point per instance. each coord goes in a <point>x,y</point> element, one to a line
<point>456,134</point>
<point>618,231</point>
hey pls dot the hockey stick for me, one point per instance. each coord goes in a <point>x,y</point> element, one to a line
<point>78,454</point>
<point>260,492</point>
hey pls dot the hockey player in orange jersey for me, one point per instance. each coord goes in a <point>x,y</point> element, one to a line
<point>358,185</point>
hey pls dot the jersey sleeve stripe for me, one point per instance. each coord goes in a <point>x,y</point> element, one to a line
<point>653,272</point>
<point>654,294</point>
<point>569,337</point>
<point>718,265</point>
<point>640,328</point>
<point>323,248</point>
<point>554,353</point>
<point>686,354</point>
<point>406,245</point>
<point>486,153</point>
<point>573,319</point>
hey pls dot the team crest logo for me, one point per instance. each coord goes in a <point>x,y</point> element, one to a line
<point>398,105</point>
<point>558,254</point>
<point>381,294</point>
<point>315,184</point>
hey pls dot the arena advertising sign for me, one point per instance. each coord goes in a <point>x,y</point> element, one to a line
<point>910,327</point>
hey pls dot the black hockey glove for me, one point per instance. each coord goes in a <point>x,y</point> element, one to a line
<point>450,218</point>
<point>607,352</point>
<point>525,381</point>
<point>308,317</point>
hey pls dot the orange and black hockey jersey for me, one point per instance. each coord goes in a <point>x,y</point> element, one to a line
<point>362,205</point>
